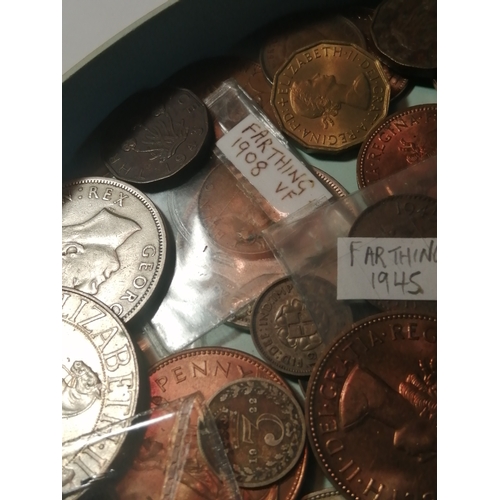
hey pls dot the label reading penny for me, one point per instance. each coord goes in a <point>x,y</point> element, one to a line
<point>387,268</point>
<point>279,176</point>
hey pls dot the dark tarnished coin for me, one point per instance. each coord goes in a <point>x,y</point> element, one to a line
<point>400,216</point>
<point>99,388</point>
<point>362,17</point>
<point>114,243</point>
<point>405,32</point>
<point>283,330</point>
<point>371,408</point>
<point>329,96</point>
<point>294,33</point>
<point>170,131</point>
<point>404,138</point>
<point>262,429</point>
<point>203,370</point>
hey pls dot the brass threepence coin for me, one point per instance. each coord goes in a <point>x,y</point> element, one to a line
<point>404,138</point>
<point>114,243</point>
<point>293,33</point>
<point>400,216</point>
<point>283,330</point>
<point>371,408</point>
<point>329,96</point>
<point>362,17</point>
<point>204,371</point>
<point>262,429</point>
<point>405,32</point>
<point>99,389</point>
<point>170,131</point>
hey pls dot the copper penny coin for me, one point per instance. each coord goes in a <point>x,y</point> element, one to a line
<point>262,429</point>
<point>362,17</point>
<point>114,243</point>
<point>400,216</point>
<point>403,139</point>
<point>100,385</point>
<point>167,131</point>
<point>204,371</point>
<point>293,33</point>
<point>329,493</point>
<point>329,96</point>
<point>283,329</point>
<point>371,408</point>
<point>405,32</point>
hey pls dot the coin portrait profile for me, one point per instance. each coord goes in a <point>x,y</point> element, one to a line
<point>323,96</point>
<point>89,254</point>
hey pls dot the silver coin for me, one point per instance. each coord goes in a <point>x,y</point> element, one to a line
<point>99,388</point>
<point>114,243</point>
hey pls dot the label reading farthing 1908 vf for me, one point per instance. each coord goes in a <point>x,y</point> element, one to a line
<point>280,177</point>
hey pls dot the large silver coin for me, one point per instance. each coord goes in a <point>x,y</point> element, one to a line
<point>99,388</point>
<point>114,243</point>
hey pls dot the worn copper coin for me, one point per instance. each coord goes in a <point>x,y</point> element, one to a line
<point>99,388</point>
<point>371,408</point>
<point>283,329</point>
<point>362,17</point>
<point>292,34</point>
<point>405,32</point>
<point>404,138</point>
<point>114,243</point>
<point>262,429</point>
<point>241,319</point>
<point>329,96</point>
<point>206,371</point>
<point>168,132</point>
<point>400,216</point>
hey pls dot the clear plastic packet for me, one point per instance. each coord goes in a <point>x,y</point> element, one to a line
<point>306,242</point>
<point>222,260</point>
<point>167,458</point>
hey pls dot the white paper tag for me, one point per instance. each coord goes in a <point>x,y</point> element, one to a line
<point>387,268</point>
<point>279,176</point>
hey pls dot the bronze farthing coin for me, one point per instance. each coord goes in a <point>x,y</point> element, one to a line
<point>362,17</point>
<point>405,32</point>
<point>371,408</point>
<point>114,243</point>
<point>329,96</point>
<point>232,220</point>
<point>242,319</point>
<point>404,138</point>
<point>205,370</point>
<point>400,216</point>
<point>262,429</point>
<point>294,33</point>
<point>99,387</point>
<point>170,132</point>
<point>282,327</point>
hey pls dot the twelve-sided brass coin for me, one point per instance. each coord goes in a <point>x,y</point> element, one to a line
<point>99,387</point>
<point>262,428</point>
<point>371,408</point>
<point>329,96</point>
<point>114,243</point>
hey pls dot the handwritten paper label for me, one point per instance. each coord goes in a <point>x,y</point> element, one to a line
<point>279,176</point>
<point>387,268</point>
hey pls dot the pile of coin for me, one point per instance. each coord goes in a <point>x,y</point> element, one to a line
<point>231,423</point>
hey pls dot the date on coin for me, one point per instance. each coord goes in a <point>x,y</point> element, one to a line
<point>262,428</point>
